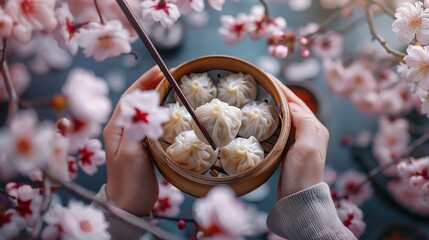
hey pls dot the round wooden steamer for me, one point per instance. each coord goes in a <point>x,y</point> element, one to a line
<point>198,185</point>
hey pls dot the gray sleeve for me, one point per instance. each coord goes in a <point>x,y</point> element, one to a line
<point>117,228</point>
<point>308,214</point>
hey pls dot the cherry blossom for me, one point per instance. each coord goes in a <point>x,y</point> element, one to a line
<point>424,98</point>
<point>49,55</point>
<point>77,221</point>
<point>216,4</point>
<point>29,15</point>
<point>163,11</point>
<point>220,215</point>
<point>351,216</point>
<point>259,25</point>
<point>102,41</point>
<point>11,224</point>
<point>300,5</point>
<point>417,61</point>
<point>91,155</point>
<point>278,51</point>
<point>327,45</point>
<point>87,99</point>
<point>300,71</point>
<point>334,71</point>
<point>347,183</point>
<point>186,6</point>
<point>6,24</point>
<point>412,21</point>
<point>233,29</point>
<point>141,116</point>
<point>358,80</point>
<point>27,144</point>
<point>28,201</point>
<point>407,196</point>
<point>416,173</point>
<point>169,200</point>
<point>390,141</point>
<point>66,31</point>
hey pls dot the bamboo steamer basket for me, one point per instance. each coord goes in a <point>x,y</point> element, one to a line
<point>198,185</point>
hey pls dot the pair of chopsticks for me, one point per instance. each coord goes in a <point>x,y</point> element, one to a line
<point>123,4</point>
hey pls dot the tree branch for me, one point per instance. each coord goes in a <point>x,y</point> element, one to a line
<point>109,208</point>
<point>45,205</point>
<point>370,19</point>
<point>10,88</point>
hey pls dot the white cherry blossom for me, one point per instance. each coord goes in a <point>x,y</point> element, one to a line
<point>165,12</point>
<point>102,41</point>
<point>407,196</point>
<point>424,101</point>
<point>412,21</point>
<point>20,80</point>
<point>415,172</point>
<point>186,6</point>
<point>347,182</point>
<point>66,30</point>
<point>216,4</point>
<point>11,224</point>
<point>417,61</point>
<point>169,200</point>
<point>6,24</point>
<point>259,25</point>
<point>351,216</point>
<point>141,116</point>
<point>29,15</point>
<point>278,51</point>
<point>91,155</point>
<point>233,29</point>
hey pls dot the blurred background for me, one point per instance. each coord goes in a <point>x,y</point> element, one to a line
<point>198,36</point>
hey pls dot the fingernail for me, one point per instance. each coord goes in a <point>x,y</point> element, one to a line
<point>293,107</point>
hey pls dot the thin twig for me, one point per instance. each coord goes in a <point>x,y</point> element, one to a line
<point>97,7</point>
<point>109,208</point>
<point>45,205</point>
<point>266,11</point>
<point>325,23</point>
<point>3,192</point>
<point>174,218</point>
<point>370,19</point>
<point>374,172</point>
<point>11,92</point>
<point>384,7</point>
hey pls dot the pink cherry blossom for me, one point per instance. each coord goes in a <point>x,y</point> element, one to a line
<point>169,200</point>
<point>416,173</point>
<point>216,4</point>
<point>186,6</point>
<point>20,80</point>
<point>424,99</point>
<point>75,222</point>
<point>367,102</point>
<point>11,224</point>
<point>162,11</point>
<point>259,25</point>
<point>328,45</point>
<point>390,141</point>
<point>102,41</point>
<point>334,71</point>
<point>66,31</point>
<point>141,116</point>
<point>6,24</point>
<point>29,15</point>
<point>233,29</point>
<point>27,145</point>
<point>351,216</point>
<point>278,51</point>
<point>347,183</point>
<point>87,96</point>
<point>407,196</point>
<point>220,215</point>
<point>91,155</point>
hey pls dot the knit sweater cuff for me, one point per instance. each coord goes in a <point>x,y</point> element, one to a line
<point>119,229</point>
<point>308,214</point>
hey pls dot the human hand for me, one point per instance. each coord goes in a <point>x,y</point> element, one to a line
<point>304,163</point>
<point>131,180</point>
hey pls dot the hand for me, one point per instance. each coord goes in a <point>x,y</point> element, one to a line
<point>131,179</point>
<point>304,163</point>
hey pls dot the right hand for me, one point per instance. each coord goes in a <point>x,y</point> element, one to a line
<point>304,163</point>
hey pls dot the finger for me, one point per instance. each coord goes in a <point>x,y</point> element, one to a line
<point>149,80</point>
<point>306,125</point>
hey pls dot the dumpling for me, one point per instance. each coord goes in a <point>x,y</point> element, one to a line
<point>260,120</point>
<point>221,121</point>
<point>198,89</point>
<point>237,89</point>
<point>180,121</point>
<point>189,152</point>
<point>241,155</point>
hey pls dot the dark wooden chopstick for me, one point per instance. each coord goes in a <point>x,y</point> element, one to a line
<point>123,4</point>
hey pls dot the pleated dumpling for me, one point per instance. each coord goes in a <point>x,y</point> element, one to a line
<point>189,152</point>
<point>180,121</point>
<point>237,89</point>
<point>198,89</point>
<point>241,155</point>
<point>221,121</point>
<point>260,120</point>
